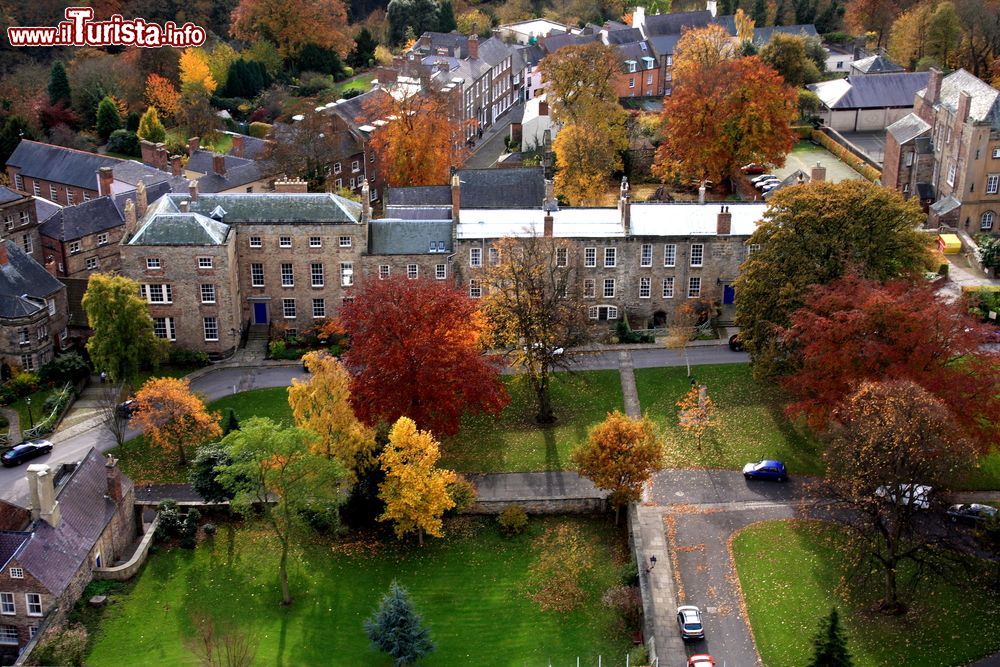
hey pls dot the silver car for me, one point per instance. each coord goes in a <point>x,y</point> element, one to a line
<point>689,622</point>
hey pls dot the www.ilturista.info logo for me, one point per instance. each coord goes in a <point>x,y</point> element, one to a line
<point>80,30</point>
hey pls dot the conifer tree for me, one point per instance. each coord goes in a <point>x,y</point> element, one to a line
<point>108,118</point>
<point>397,629</point>
<point>150,127</point>
<point>446,17</point>
<point>59,90</point>
<point>830,644</point>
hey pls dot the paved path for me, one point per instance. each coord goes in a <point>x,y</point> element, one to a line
<point>491,145</point>
<point>630,394</point>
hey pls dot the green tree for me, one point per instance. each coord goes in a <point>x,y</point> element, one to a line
<point>446,17</point>
<point>944,33</point>
<point>132,121</point>
<point>150,127</point>
<point>274,475</point>
<point>830,644</point>
<point>108,118</point>
<point>788,56</point>
<point>813,234</point>
<point>417,15</point>
<point>208,460</point>
<point>59,90</point>
<point>363,54</point>
<point>396,628</point>
<point>231,424</point>
<point>123,330</point>
<point>14,129</point>
<point>759,13</point>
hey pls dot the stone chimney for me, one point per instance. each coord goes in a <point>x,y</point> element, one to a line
<point>625,206</point>
<point>425,41</point>
<point>712,6</point>
<point>543,108</point>
<point>184,206</point>
<point>219,164</point>
<point>724,222</point>
<point>114,475</point>
<point>962,112</point>
<point>130,219</point>
<point>638,17</point>
<point>238,145</point>
<point>366,201</point>
<point>4,258</point>
<point>193,190</point>
<point>933,94</point>
<point>818,172</point>
<point>547,224</point>
<point>193,144</point>
<point>474,47</point>
<point>140,199</point>
<point>148,151</point>
<point>442,66</point>
<point>162,157</point>
<point>41,486</point>
<point>456,197</point>
<point>105,177</point>
<point>290,185</point>
<point>701,193</point>
<point>175,165</point>
<point>550,202</point>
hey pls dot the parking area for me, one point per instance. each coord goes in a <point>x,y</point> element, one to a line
<point>805,155</point>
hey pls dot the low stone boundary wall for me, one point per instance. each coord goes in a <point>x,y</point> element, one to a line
<point>129,568</point>
<point>536,506</point>
<point>554,492</point>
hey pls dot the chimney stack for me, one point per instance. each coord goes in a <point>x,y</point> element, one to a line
<point>724,222</point>
<point>184,206</point>
<point>474,47</point>
<point>290,185</point>
<point>818,173</point>
<point>140,199</point>
<point>933,94</point>
<point>162,157</point>
<point>105,177</point>
<point>219,164</point>
<point>456,197</point>
<point>43,494</point>
<point>425,41</point>
<point>625,206</point>
<point>175,165</point>
<point>543,107</point>
<point>193,190</point>
<point>4,258</point>
<point>130,219</point>
<point>547,224</point>
<point>701,193</point>
<point>193,144</point>
<point>366,201</point>
<point>442,66</point>
<point>148,151</point>
<point>962,112</point>
<point>638,17</point>
<point>238,146</point>
<point>114,475</point>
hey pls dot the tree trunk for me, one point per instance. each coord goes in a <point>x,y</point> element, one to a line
<point>618,509</point>
<point>420,536</point>
<point>891,604</point>
<point>545,414</point>
<point>286,595</point>
<point>183,455</point>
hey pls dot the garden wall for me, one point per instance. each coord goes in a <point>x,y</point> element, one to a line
<point>546,506</point>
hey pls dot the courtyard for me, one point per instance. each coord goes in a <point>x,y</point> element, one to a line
<point>805,155</point>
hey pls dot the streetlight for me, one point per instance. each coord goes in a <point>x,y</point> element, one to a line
<point>31,419</point>
<point>652,564</point>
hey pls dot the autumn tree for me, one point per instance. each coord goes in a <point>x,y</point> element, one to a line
<point>162,94</point>
<point>173,417</point>
<point>744,27</point>
<point>702,49</point>
<point>621,455</point>
<point>322,404</point>
<point>122,335</point>
<point>275,474</point>
<point>304,149</point>
<point>534,303</point>
<point>397,630</point>
<point>891,436</point>
<point>474,22</point>
<point>150,127</point>
<point>873,15</point>
<point>852,330</point>
<point>195,73</point>
<point>725,116</point>
<point>907,40</point>
<point>422,142</point>
<point>292,25</point>
<point>813,234</point>
<point>787,55</point>
<point>415,491</point>
<point>686,319</point>
<point>417,347</point>
<point>696,412</point>
<point>944,33</point>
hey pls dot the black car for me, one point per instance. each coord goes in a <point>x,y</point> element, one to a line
<point>971,513</point>
<point>25,451</point>
<point>735,344</point>
<point>127,409</point>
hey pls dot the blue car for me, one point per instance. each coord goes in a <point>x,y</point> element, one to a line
<point>774,470</point>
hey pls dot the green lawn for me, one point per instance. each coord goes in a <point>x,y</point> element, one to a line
<point>750,421</point>
<point>361,82</point>
<point>469,587</point>
<point>788,588</point>
<point>985,476</point>
<point>514,443</point>
<point>271,403</point>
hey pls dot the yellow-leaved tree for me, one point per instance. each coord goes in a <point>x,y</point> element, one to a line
<point>322,405</point>
<point>196,76</point>
<point>415,491</point>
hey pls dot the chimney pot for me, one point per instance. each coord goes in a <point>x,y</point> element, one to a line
<point>219,164</point>
<point>105,177</point>
<point>456,197</point>
<point>162,157</point>
<point>175,165</point>
<point>473,47</point>
<point>193,190</point>
<point>140,199</point>
<point>43,495</point>
<point>933,95</point>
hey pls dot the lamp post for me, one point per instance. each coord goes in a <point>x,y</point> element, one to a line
<point>652,564</point>
<point>31,419</point>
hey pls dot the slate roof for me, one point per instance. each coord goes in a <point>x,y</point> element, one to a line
<point>454,42</point>
<point>22,276</point>
<point>7,195</point>
<point>553,43</point>
<point>353,109</point>
<point>181,229</point>
<point>70,223</point>
<point>59,164</point>
<point>493,50</point>
<point>764,35</point>
<point>875,65</point>
<point>946,205</point>
<point>634,51</point>
<point>664,45</point>
<point>675,23</point>
<point>522,187</point>
<point>908,127</point>
<point>53,555</point>
<point>623,36</point>
<point>408,237</point>
<point>418,212</point>
<point>871,92</point>
<point>254,148</point>
<point>985,107</point>
<point>44,209</point>
<point>421,195</point>
<point>10,542</point>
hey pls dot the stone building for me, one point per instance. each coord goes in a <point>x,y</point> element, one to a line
<point>21,215</point>
<point>32,310</point>
<point>79,521</point>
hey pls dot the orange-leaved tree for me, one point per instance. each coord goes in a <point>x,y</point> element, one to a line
<point>422,138</point>
<point>700,50</point>
<point>322,404</point>
<point>162,94</point>
<point>696,412</point>
<point>621,455</point>
<point>292,25</point>
<point>417,347</point>
<point>415,491</point>
<point>173,417</point>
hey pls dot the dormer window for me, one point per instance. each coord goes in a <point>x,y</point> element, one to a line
<point>631,65</point>
<point>218,213</point>
<point>642,45</point>
<point>648,61</point>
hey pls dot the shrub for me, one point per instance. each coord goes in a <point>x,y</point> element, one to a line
<point>124,142</point>
<point>350,93</point>
<point>170,520</point>
<point>630,573</point>
<point>314,83</point>
<point>23,383</point>
<point>50,404</point>
<point>324,518</point>
<point>638,655</point>
<point>4,422</point>
<point>209,528</point>
<point>259,129</point>
<point>513,520</point>
<point>627,601</point>
<point>278,349</point>
<point>463,492</point>
<point>68,367</point>
<point>67,646</point>
<point>181,356</point>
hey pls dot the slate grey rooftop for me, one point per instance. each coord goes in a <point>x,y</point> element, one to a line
<point>871,92</point>
<point>676,23</point>
<point>10,542</point>
<point>22,276</point>
<point>877,64</point>
<point>409,237</point>
<point>985,107</point>
<point>274,207</point>
<point>420,195</point>
<point>908,127</point>
<point>181,229</point>
<point>58,164</point>
<point>7,195</point>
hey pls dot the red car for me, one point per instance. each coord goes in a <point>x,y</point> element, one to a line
<point>702,660</point>
<point>753,168</point>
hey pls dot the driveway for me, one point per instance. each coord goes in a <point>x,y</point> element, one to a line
<point>805,155</point>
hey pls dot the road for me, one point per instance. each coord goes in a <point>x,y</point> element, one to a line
<point>491,146</point>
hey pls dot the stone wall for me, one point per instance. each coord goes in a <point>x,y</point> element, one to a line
<point>545,506</point>
<point>131,567</point>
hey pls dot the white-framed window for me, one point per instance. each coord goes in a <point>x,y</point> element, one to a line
<point>646,255</point>
<point>319,308</point>
<point>284,241</point>
<point>208,293</point>
<point>24,337</point>
<point>27,244</point>
<point>36,189</point>
<point>163,327</point>
<point>9,636</point>
<point>373,195</point>
<point>475,257</point>
<point>28,362</point>
<point>42,333</point>
<point>986,222</point>
<point>205,263</point>
<point>316,274</point>
<point>562,256</point>
<point>288,308</point>
<point>952,170</point>
<point>339,183</point>
<point>996,154</point>
<point>603,312</point>
<point>590,256</point>
<point>694,287</point>
<point>352,182</point>
<point>255,242</point>
<point>34,602</point>
<point>609,288</point>
<point>91,263</point>
<point>16,573</point>
<point>383,271</point>
<point>7,604</point>
<point>346,274</point>
<point>697,254</point>
<point>670,254</point>
<point>909,158</point>
<point>475,289</point>
<point>25,217</point>
<point>32,631</point>
<point>102,239</point>
<point>19,182</point>
<point>315,242</point>
<point>412,271</point>
<point>74,247</point>
<point>287,275</point>
<point>610,257</point>
<point>753,248</point>
<point>355,165</point>
<point>645,287</point>
<point>211,328</point>
<point>992,184</point>
<point>69,197</point>
<point>668,288</point>
<point>336,167</point>
<point>344,242</point>
<point>86,196</point>
<point>159,292</point>
<point>256,275</point>
<point>631,82</point>
<point>440,271</point>
<point>494,255</point>
<point>153,263</point>
<point>8,222</point>
<point>53,193</point>
<point>631,65</point>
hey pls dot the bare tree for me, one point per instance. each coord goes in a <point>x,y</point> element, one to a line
<point>113,415</point>
<point>305,148</point>
<point>687,319</point>
<point>227,645</point>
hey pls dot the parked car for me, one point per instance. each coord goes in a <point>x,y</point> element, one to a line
<point>127,409</point>
<point>919,495</point>
<point>762,185</point>
<point>753,168</point>
<point>735,344</point>
<point>763,177</point>
<point>689,622</point>
<point>971,513</point>
<point>25,451</point>
<point>701,660</point>
<point>766,469</point>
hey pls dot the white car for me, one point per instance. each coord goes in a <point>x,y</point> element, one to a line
<point>919,495</point>
<point>760,185</point>
<point>763,177</point>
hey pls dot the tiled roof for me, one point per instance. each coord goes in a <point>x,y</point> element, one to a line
<point>45,209</point>
<point>70,223</point>
<point>674,24</point>
<point>254,148</point>
<point>624,36</point>
<point>59,164</point>
<point>553,43</point>
<point>635,51</point>
<point>7,195</point>
<point>764,35</point>
<point>408,237</point>
<point>908,127</point>
<point>418,212</point>
<point>664,45</point>
<point>985,107</point>
<point>522,187</point>
<point>421,195</point>
<point>22,276</point>
<point>875,65</point>
<point>10,542</point>
<point>871,92</point>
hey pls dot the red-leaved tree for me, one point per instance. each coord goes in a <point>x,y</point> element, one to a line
<point>416,351</point>
<point>856,330</point>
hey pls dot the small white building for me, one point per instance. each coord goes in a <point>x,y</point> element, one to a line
<point>537,129</point>
<point>532,30</point>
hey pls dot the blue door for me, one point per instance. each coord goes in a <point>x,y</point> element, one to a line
<point>260,313</point>
<point>728,294</point>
